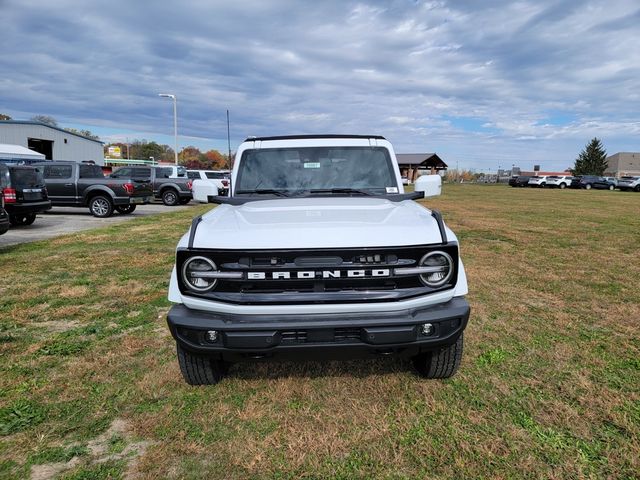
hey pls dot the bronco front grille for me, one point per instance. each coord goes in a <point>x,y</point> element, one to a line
<point>319,276</point>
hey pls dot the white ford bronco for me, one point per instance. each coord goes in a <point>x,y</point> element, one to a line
<point>317,253</point>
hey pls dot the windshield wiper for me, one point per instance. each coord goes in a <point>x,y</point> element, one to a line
<point>340,190</point>
<point>265,191</point>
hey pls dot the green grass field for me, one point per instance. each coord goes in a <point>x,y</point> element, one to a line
<point>549,385</point>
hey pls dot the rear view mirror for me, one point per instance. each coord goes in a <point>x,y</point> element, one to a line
<point>202,189</point>
<point>429,185</point>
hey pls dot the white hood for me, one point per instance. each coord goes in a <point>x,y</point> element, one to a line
<point>317,223</point>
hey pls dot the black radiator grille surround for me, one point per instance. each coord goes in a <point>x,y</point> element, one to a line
<point>317,289</point>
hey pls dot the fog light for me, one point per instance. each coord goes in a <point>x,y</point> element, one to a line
<point>426,329</point>
<point>211,336</point>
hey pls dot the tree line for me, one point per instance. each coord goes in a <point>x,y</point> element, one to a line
<point>190,157</point>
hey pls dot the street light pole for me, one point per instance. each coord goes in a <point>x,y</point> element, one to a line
<point>175,123</point>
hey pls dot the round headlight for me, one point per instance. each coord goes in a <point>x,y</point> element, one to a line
<point>442,264</point>
<point>194,274</point>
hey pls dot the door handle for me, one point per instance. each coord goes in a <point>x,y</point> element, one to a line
<point>68,184</point>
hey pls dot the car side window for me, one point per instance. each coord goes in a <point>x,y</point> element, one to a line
<point>193,175</point>
<point>57,171</point>
<point>141,173</point>
<point>163,172</point>
<point>122,172</point>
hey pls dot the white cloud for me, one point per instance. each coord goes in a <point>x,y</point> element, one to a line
<point>475,81</point>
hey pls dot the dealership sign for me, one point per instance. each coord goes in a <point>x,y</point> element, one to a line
<point>114,152</point>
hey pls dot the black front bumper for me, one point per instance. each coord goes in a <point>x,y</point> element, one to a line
<point>318,336</point>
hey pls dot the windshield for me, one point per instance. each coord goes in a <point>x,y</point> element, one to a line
<point>26,177</point>
<point>316,168</point>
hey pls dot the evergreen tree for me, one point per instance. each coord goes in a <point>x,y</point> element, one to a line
<point>592,160</point>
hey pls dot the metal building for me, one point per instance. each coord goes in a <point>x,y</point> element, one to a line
<point>53,142</point>
<point>623,163</point>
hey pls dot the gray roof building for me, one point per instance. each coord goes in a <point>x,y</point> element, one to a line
<point>623,163</point>
<point>410,163</point>
<point>53,142</point>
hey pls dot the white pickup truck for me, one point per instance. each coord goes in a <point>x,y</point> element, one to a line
<point>218,178</point>
<point>317,253</point>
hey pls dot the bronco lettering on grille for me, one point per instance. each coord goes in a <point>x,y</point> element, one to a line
<point>325,274</point>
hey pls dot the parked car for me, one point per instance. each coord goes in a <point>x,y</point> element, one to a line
<point>318,253</point>
<point>72,184</point>
<point>540,182</point>
<point>613,180</point>
<point>519,181</point>
<point>4,217</point>
<point>592,181</point>
<point>220,178</point>
<point>559,181</point>
<point>628,182</point>
<point>24,192</point>
<point>172,191</point>
<point>177,171</point>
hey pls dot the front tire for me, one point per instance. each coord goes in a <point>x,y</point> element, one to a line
<point>587,186</point>
<point>563,186</point>
<point>125,209</point>
<point>637,188</point>
<point>184,201</point>
<point>101,206</point>
<point>611,187</point>
<point>200,370</point>
<point>170,197</point>
<point>442,363</point>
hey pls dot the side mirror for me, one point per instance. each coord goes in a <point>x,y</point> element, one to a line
<point>429,185</point>
<point>201,190</point>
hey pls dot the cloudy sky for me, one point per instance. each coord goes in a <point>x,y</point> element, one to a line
<point>483,83</point>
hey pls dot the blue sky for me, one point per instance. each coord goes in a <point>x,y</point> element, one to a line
<point>481,83</point>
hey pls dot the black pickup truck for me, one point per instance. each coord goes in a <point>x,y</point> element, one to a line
<point>172,191</point>
<point>72,184</point>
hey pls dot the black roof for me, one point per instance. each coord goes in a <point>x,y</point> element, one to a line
<point>302,137</point>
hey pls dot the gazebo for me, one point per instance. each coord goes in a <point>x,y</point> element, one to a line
<point>410,163</point>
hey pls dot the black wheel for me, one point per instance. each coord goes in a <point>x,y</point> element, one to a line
<point>542,185</point>
<point>101,206</point>
<point>125,209</point>
<point>170,197</point>
<point>563,186</point>
<point>22,219</point>
<point>184,201</point>
<point>637,188</point>
<point>442,363</point>
<point>200,370</point>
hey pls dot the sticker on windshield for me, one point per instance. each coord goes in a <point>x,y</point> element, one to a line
<point>312,165</point>
<point>392,189</point>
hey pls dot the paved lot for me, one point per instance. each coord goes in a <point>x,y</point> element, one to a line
<point>62,220</point>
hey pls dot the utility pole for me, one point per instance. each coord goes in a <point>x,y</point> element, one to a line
<point>175,123</point>
<point>229,141</point>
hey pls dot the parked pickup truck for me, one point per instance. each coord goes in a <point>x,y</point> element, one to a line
<point>318,253</point>
<point>172,191</point>
<point>219,178</point>
<point>72,184</point>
